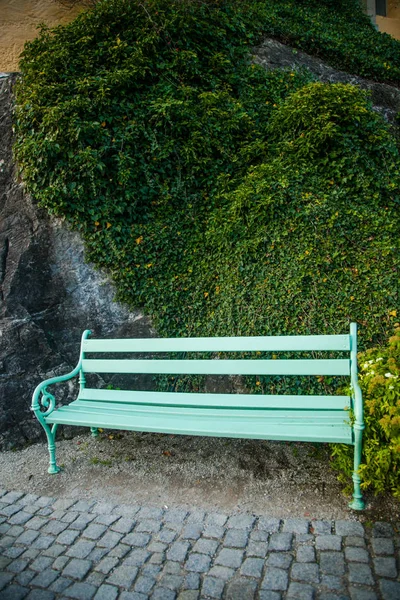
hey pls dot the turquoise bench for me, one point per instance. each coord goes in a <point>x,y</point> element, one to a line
<point>269,417</point>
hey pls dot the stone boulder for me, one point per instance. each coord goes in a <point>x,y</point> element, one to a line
<point>272,54</point>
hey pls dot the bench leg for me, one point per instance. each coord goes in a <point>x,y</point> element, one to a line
<point>95,431</point>
<point>51,439</point>
<point>357,502</point>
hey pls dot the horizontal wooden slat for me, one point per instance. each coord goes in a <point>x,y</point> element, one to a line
<point>241,424</point>
<point>221,367</point>
<point>284,343</point>
<point>277,416</point>
<point>223,401</point>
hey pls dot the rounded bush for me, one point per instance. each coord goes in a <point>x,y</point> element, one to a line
<point>322,120</point>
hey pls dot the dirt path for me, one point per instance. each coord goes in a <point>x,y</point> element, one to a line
<point>18,23</point>
<point>276,478</point>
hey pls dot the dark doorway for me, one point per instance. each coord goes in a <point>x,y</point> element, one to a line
<point>381,7</point>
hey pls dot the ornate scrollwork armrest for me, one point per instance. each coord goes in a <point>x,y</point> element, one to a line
<point>42,399</point>
<point>48,401</point>
<point>43,402</point>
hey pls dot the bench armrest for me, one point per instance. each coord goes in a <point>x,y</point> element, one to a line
<point>42,398</point>
<point>356,390</point>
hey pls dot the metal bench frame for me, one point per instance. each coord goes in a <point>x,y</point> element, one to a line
<point>257,416</point>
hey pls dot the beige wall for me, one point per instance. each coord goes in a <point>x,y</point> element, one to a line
<point>18,22</point>
<point>391,23</point>
<point>394,9</point>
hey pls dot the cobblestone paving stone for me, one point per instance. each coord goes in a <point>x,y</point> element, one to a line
<point>54,549</point>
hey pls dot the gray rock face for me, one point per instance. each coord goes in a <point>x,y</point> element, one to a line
<point>271,54</point>
<point>48,296</point>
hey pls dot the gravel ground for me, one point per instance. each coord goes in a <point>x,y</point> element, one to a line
<point>275,478</point>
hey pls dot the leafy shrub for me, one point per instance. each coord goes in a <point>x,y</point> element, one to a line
<point>380,384</point>
<point>306,240</point>
<point>321,122</point>
<point>257,201</point>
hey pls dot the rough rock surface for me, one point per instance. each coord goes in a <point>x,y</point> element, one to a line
<point>272,54</point>
<point>48,296</point>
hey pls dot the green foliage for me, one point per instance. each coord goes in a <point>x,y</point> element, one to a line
<point>337,31</point>
<point>380,384</point>
<point>307,239</point>
<point>258,201</point>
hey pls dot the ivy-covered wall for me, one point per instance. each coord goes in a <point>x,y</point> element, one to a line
<point>222,198</point>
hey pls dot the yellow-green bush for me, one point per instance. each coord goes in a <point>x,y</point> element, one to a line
<point>380,385</point>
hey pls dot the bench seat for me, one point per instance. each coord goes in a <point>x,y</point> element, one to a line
<point>212,415</point>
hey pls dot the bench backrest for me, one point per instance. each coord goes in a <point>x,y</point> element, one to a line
<point>244,366</point>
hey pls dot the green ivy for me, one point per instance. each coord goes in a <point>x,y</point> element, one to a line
<point>306,240</point>
<point>336,31</point>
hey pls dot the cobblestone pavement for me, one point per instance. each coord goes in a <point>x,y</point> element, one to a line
<point>69,548</point>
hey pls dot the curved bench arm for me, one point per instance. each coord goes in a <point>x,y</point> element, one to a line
<point>42,398</point>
